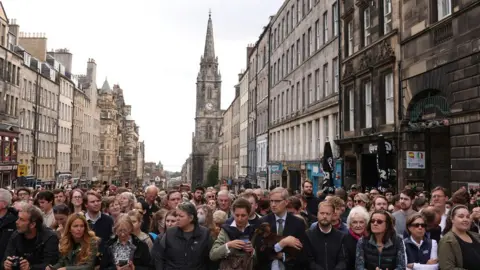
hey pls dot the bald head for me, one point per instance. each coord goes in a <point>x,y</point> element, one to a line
<point>151,193</point>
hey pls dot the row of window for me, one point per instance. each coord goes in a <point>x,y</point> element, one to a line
<point>48,99</point>
<point>11,105</point>
<point>365,110</point>
<point>65,135</point>
<point>108,161</point>
<point>315,87</point>
<point>66,89</point>
<point>305,140</point>
<point>63,161</point>
<point>11,74</point>
<point>65,112</point>
<point>45,123</point>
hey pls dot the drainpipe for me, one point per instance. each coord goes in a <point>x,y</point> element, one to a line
<point>400,115</point>
<point>58,128</point>
<point>36,125</point>
<point>340,89</point>
<point>269,85</point>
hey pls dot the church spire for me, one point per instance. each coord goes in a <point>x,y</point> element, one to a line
<point>209,45</point>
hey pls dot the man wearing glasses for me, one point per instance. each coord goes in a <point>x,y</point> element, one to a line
<point>23,194</point>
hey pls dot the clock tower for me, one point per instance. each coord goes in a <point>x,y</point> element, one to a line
<point>208,115</point>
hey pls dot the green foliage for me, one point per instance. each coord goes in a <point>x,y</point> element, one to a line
<point>212,176</point>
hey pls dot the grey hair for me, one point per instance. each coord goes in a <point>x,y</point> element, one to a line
<point>130,196</point>
<point>147,189</point>
<point>224,193</point>
<point>35,213</point>
<point>358,211</point>
<point>190,209</point>
<point>283,192</point>
<point>5,196</point>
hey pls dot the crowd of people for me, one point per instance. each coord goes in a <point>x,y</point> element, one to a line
<point>209,228</point>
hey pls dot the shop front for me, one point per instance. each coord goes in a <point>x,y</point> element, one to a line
<point>8,164</point>
<point>361,161</point>
<point>315,175</point>
<point>275,171</point>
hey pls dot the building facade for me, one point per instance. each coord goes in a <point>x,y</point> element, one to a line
<point>140,163</point>
<point>262,84</point>
<point>109,123</point>
<point>235,136</point>
<point>440,68</point>
<point>304,74</point>
<point>370,39</point>
<point>208,115</point>
<point>225,166</point>
<point>243,138</point>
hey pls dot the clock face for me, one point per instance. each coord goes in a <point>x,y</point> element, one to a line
<point>209,106</point>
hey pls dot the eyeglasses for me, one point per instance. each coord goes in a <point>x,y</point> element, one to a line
<point>377,221</point>
<point>276,201</point>
<point>418,225</point>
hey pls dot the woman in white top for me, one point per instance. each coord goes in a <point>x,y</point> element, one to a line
<point>421,252</point>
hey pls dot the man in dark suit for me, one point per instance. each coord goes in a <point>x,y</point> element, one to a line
<point>282,255</point>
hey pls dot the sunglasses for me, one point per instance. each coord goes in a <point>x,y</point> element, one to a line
<point>418,225</point>
<point>359,201</point>
<point>377,221</point>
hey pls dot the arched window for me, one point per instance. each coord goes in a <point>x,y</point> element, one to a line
<point>209,133</point>
<point>209,93</point>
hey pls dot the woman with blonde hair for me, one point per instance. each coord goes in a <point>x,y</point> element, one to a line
<point>127,201</point>
<point>157,224</point>
<point>78,245</point>
<point>137,218</point>
<point>205,217</point>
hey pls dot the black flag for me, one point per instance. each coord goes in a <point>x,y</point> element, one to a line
<point>382,164</point>
<point>327,165</point>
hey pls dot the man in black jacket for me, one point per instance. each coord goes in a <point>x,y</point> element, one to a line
<point>35,245</point>
<point>312,200</point>
<point>324,243</point>
<point>8,217</point>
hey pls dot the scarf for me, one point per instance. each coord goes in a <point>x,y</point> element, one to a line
<point>354,235</point>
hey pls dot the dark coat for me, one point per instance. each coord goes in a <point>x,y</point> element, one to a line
<point>295,227</point>
<point>326,250</point>
<point>7,228</point>
<point>174,252</point>
<point>45,252</point>
<point>141,256</point>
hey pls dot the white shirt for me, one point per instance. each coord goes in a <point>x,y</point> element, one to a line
<point>278,248</point>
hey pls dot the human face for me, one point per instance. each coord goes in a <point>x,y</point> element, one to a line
<point>45,205</point>
<point>123,232</point>
<point>114,208</point>
<point>224,202</point>
<point>254,205</point>
<point>151,195</point>
<point>61,219</point>
<point>259,193</point>
<point>77,198</point>
<point>417,228</point>
<point>201,215</point>
<point>23,195</point>
<point>124,201</point>
<point>381,204</point>
<point>209,195</point>
<point>136,224</point>
<point>349,202</point>
<point>405,202</point>
<point>241,217</point>
<point>94,205</point>
<point>378,223</point>
<point>278,204</point>
<point>59,198</point>
<point>389,196</point>
<point>183,219</point>
<point>439,199</point>
<point>461,220</point>
<point>307,188</point>
<point>170,221</point>
<point>324,215</point>
<point>77,229</point>
<point>198,195</point>
<point>212,204</point>
<point>23,223</point>
<point>373,193</point>
<point>357,224</point>
<point>359,201</point>
<point>174,199</point>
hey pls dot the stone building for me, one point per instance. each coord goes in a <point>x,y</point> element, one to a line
<point>371,53</point>
<point>440,50</point>
<point>208,115</point>
<point>10,83</point>
<point>79,101</point>
<point>243,138</point>
<point>67,84</point>
<point>235,135</point>
<point>140,163</point>
<point>128,146</point>
<point>109,128</point>
<point>90,130</point>
<point>303,94</point>
<point>225,169</point>
<point>258,62</point>
<point>42,72</point>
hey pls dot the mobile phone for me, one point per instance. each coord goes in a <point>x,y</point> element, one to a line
<point>122,263</point>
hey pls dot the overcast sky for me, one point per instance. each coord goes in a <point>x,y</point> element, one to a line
<point>151,48</point>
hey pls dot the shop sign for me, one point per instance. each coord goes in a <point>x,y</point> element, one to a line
<point>6,168</point>
<point>372,148</point>
<point>276,169</point>
<point>415,159</point>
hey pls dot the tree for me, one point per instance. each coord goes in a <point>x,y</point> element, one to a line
<point>212,176</point>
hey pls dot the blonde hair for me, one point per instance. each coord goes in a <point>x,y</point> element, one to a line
<point>219,217</point>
